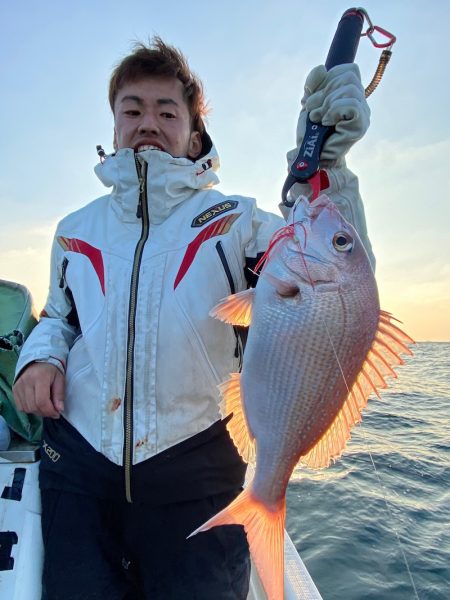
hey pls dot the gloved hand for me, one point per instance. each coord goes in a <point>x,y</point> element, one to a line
<point>335,97</point>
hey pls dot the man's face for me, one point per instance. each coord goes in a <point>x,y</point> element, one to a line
<point>152,112</point>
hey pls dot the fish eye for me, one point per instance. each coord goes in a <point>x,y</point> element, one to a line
<point>342,241</point>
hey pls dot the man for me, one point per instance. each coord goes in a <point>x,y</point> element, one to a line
<point>125,361</point>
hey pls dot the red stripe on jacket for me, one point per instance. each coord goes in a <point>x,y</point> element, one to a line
<point>214,229</point>
<point>93,254</point>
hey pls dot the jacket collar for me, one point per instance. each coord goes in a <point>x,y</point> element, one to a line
<point>170,180</point>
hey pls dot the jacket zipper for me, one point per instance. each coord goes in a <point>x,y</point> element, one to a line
<point>142,212</point>
<point>239,350</point>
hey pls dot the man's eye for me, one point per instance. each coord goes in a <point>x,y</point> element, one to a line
<point>132,113</point>
<point>168,115</point>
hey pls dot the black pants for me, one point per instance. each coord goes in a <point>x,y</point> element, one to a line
<point>99,549</point>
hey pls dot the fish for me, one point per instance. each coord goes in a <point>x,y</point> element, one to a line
<point>318,346</point>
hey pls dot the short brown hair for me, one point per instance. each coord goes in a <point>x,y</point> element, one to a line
<point>161,60</point>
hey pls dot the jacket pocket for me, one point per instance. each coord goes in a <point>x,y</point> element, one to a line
<point>239,332</point>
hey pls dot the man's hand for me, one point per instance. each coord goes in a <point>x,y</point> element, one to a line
<point>40,390</point>
<point>335,98</point>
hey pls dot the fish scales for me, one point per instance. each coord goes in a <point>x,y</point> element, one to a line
<point>315,384</point>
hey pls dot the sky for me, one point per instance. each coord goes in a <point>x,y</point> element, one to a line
<point>55,63</point>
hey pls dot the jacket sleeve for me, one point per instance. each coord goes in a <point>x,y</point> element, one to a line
<point>52,338</point>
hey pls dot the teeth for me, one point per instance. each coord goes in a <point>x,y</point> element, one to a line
<point>148,147</point>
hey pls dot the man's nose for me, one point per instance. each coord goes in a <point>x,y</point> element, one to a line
<point>149,124</point>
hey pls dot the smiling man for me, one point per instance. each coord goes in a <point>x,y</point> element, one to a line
<point>125,361</point>
<point>152,113</point>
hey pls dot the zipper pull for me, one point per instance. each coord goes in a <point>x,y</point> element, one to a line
<point>65,262</point>
<point>141,195</point>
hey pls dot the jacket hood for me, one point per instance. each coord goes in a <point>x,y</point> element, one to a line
<point>170,180</point>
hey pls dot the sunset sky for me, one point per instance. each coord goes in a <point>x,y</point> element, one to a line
<point>253,57</point>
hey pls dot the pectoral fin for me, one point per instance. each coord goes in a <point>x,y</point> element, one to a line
<point>235,309</point>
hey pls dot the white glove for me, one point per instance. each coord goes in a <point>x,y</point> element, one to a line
<point>335,97</point>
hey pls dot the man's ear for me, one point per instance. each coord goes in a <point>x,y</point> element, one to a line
<point>195,145</point>
<point>115,141</point>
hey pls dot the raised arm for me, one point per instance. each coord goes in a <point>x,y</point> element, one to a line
<point>336,98</point>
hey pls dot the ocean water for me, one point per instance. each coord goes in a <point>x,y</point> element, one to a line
<point>376,524</point>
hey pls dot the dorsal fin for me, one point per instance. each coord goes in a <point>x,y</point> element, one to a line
<point>384,353</point>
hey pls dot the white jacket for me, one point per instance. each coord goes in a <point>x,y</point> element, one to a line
<point>145,339</point>
<point>143,357</point>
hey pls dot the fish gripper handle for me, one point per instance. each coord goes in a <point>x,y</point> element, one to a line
<point>342,50</point>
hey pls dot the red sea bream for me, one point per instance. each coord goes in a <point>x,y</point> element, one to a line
<point>318,346</point>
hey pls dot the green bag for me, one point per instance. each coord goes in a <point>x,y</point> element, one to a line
<point>17,319</point>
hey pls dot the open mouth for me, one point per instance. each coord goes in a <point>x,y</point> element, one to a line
<point>148,147</point>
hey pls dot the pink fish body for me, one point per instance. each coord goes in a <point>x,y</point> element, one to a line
<point>318,346</point>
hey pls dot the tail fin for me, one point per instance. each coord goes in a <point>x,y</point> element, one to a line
<point>265,534</point>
